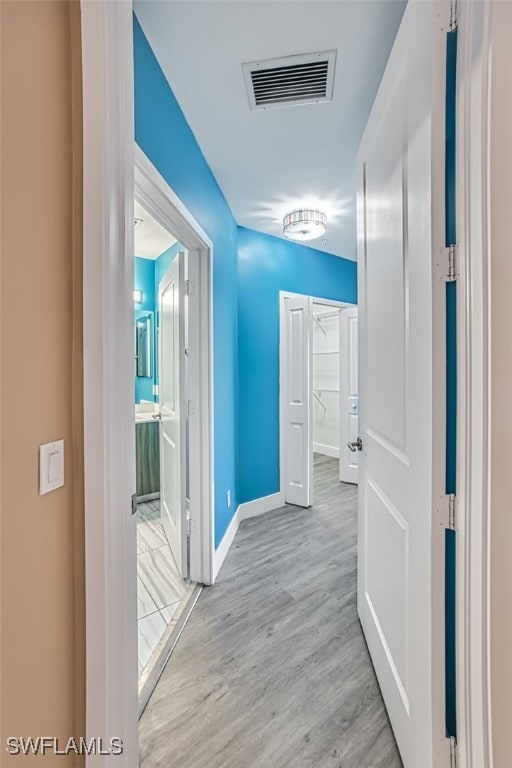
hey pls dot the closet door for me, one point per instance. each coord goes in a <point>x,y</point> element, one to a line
<point>296,377</point>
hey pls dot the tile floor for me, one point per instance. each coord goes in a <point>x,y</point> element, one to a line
<point>160,588</point>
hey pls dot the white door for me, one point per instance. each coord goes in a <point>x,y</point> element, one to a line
<point>349,396</point>
<point>397,208</point>
<point>296,378</point>
<point>171,305</point>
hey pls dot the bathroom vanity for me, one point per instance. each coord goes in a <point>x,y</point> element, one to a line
<point>147,446</point>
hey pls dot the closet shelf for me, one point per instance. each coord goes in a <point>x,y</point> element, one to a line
<point>325,389</point>
<point>327,353</point>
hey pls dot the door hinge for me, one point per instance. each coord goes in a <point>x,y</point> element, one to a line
<point>189,288</point>
<point>446,266</point>
<point>453,15</point>
<point>191,409</point>
<point>453,752</point>
<point>452,263</point>
<point>451,511</point>
<point>189,526</point>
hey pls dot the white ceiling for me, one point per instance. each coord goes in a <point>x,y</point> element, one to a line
<point>268,162</point>
<point>150,238</point>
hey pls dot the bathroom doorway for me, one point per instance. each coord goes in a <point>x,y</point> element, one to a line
<point>172,391</point>
<point>161,437</point>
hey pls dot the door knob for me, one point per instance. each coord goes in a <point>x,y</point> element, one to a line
<point>357,445</point>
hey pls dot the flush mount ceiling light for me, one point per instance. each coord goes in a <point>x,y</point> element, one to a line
<point>304,224</point>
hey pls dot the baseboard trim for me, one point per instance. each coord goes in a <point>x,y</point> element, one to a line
<point>260,506</point>
<point>326,450</point>
<point>222,550</point>
<point>244,512</point>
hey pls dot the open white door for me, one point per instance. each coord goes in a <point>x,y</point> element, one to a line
<point>171,305</point>
<point>398,195</point>
<point>349,396</point>
<point>296,373</point>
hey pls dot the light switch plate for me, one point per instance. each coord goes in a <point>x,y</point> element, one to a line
<point>51,466</point>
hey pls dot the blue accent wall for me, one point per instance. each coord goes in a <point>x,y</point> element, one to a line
<point>267,265</point>
<point>144,280</point>
<point>164,135</point>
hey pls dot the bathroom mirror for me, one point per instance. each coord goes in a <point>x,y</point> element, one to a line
<point>143,344</point>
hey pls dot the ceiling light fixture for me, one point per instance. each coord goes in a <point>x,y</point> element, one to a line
<point>304,224</point>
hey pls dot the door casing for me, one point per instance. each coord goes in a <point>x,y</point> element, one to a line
<point>348,471</point>
<point>154,194</point>
<point>109,159</point>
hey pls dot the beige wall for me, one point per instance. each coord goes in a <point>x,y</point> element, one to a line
<point>41,537</point>
<point>501,385</point>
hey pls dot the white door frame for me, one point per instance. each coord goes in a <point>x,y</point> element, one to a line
<point>158,199</point>
<point>283,360</point>
<point>474,345</point>
<point>111,691</point>
<point>107,65</point>
<point>111,688</point>
<point>344,435</point>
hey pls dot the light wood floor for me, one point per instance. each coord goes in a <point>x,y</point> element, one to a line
<point>272,670</point>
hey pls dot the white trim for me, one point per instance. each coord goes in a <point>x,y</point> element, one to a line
<point>260,506</point>
<point>326,450</point>
<point>282,363</point>
<point>156,196</point>
<point>222,550</point>
<point>473,428</point>
<point>244,511</point>
<point>109,435</point>
<point>109,443</point>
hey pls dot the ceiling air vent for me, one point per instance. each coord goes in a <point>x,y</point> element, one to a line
<point>304,79</point>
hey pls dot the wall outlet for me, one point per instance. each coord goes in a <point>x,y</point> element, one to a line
<point>228,498</point>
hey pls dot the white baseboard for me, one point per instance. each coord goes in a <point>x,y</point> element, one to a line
<point>243,512</point>
<point>220,553</point>
<point>326,450</point>
<point>260,506</point>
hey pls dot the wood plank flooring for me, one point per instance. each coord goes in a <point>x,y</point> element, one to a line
<point>272,670</point>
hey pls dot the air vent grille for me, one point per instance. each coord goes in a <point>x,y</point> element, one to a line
<point>303,79</point>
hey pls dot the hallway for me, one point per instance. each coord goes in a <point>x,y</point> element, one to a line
<point>272,670</point>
